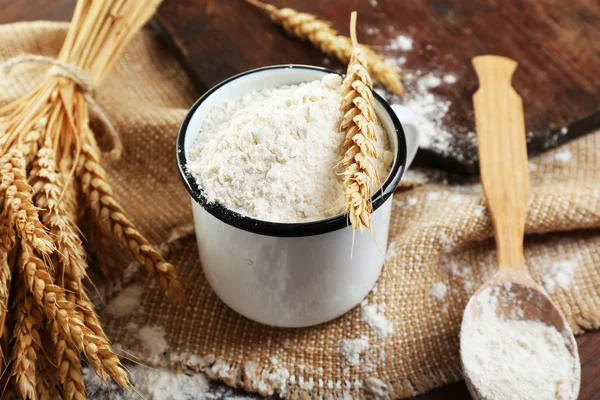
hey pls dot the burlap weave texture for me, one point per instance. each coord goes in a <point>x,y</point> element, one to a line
<point>440,232</point>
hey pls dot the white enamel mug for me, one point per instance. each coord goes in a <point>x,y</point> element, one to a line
<point>291,274</point>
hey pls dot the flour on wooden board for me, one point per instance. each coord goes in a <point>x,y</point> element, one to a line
<point>401,42</point>
<point>372,30</point>
<point>430,111</point>
<point>449,79</point>
<point>429,108</point>
<point>397,62</point>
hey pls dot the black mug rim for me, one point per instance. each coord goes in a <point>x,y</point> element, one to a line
<point>284,229</point>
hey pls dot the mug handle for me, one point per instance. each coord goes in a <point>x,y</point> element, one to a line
<point>409,122</point>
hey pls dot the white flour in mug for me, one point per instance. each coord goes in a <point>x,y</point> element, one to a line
<point>272,154</point>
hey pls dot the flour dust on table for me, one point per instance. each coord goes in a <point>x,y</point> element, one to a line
<point>272,154</point>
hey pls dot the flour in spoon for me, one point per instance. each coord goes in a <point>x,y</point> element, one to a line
<point>272,154</point>
<point>510,359</point>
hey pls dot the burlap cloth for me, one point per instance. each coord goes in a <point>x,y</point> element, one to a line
<point>440,232</point>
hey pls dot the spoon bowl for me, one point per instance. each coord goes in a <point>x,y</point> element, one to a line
<point>516,299</point>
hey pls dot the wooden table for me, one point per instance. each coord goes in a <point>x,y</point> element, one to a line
<point>557,49</point>
<point>589,343</point>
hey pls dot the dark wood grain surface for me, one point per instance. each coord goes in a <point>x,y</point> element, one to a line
<point>556,44</point>
<point>589,343</point>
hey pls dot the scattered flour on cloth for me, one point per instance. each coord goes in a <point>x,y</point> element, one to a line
<point>417,176</point>
<point>273,154</point>
<point>377,321</point>
<point>377,388</point>
<point>517,359</point>
<point>351,349</point>
<point>438,290</point>
<point>432,196</point>
<point>559,275</point>
<point>126,303</point>
<point>153,340</point>
<point>563,156</point>
<point>160,384</point>
<point>391,253</point>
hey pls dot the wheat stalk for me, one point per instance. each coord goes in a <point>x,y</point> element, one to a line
<point>320,33</point>
<point>358,125</point>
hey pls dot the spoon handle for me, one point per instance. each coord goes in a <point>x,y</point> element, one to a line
<point>502,155</point>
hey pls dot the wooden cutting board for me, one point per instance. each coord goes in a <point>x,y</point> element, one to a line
<point>556,44</point>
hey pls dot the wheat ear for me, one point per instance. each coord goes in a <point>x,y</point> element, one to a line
<point>57,205</point>
<point>5,278</point>
<point>8,238</point>
<point>20,212</point>
<point>70,372</point>
<point>6,331</point>
<point>52,300</point>
<point>114,220</point>
<point>59,215</point>
<point>27,344</point>
<point>320,33</point>
<point>358,125</point>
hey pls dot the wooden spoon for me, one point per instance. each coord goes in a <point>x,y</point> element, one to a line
<point>505,179</point>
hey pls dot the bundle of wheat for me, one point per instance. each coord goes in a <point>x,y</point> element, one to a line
<point>49,158</point>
